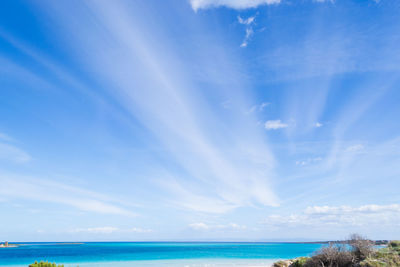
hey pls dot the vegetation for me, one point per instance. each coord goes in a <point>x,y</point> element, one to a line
<point>299,262</point>
<point>44,264</point>
<point>331,256</point>
<point>356,252</point>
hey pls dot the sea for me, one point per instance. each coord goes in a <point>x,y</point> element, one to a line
<point>152,254</point>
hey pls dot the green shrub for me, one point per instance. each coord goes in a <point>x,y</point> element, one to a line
<point>333,255</point>
<point>394,244</point>
<point>387,257</point>
<point>299,262</point>
<point>44,264</point>
<point>359,252</point>
<point>361,247</point>
<point>373,263</point>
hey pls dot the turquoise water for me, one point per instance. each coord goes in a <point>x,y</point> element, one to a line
<point>155,254</point>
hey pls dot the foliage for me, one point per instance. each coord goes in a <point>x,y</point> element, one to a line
<point>356,252</point>
<point>361,247</point>
<point>394,244</point>
<point>385,257</point>
<point>299,262</point>
<point>44,264</point>
<point>331,256</point>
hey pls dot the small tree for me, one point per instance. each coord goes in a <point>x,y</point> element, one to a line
<point>361,247</point>
<point>331,256</point>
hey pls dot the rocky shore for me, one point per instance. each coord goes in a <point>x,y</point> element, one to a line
<point>357,252</point>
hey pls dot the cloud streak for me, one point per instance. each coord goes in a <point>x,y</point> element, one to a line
<point>238,164</point>
<point>12,153</point>
<point>200,226</point>
<point>20,187</point>
<point>339,216</point>
<point>235,4</point>
<point>249,29</point>
<point>110,230</point>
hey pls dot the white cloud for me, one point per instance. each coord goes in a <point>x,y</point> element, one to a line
<point>275,125</point>
<point>200,226</point>
<point>249,28</point>
<point>249,33</point>
<point>247,21</point>
<point>317,216</point>
<point>96,230</point>
<point>235,4</point>
<point>318,124</point>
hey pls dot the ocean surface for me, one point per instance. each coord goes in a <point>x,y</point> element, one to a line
<point>151,254</point>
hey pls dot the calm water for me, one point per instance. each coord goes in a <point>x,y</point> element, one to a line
<point>155,254</point>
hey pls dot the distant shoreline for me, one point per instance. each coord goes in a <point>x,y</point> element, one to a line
<point>15,245</point>
<point>9,245</point>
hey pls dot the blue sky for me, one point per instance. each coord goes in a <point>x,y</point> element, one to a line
<point>199,120</point>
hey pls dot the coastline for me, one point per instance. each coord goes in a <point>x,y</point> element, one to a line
<point>174,263</point>
<point>9,246</point>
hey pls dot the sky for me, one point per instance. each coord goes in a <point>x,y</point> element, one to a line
<point>194,120</point>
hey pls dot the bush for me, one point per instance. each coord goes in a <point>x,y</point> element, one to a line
<point>394,244</point>
<point>300,262</point>
<point>373,263</point>
<point>356,252</point>
<point>331,256</point>
<point>361,247</point>
<point>386,256</point>
<point>44,264</point>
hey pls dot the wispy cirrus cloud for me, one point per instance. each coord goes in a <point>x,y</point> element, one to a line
<point>109,230</point>
<point>96,230</point>
<point>249,28</point>
<point>339,216</point>
<point>11,152</point>
<point>235,4</point>
<point>259,107</point>
<point>200,226</point>
<point>28,188</point>
<point>238,164</point>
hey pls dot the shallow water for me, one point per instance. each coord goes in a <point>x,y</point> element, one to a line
<point>166,254</point>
